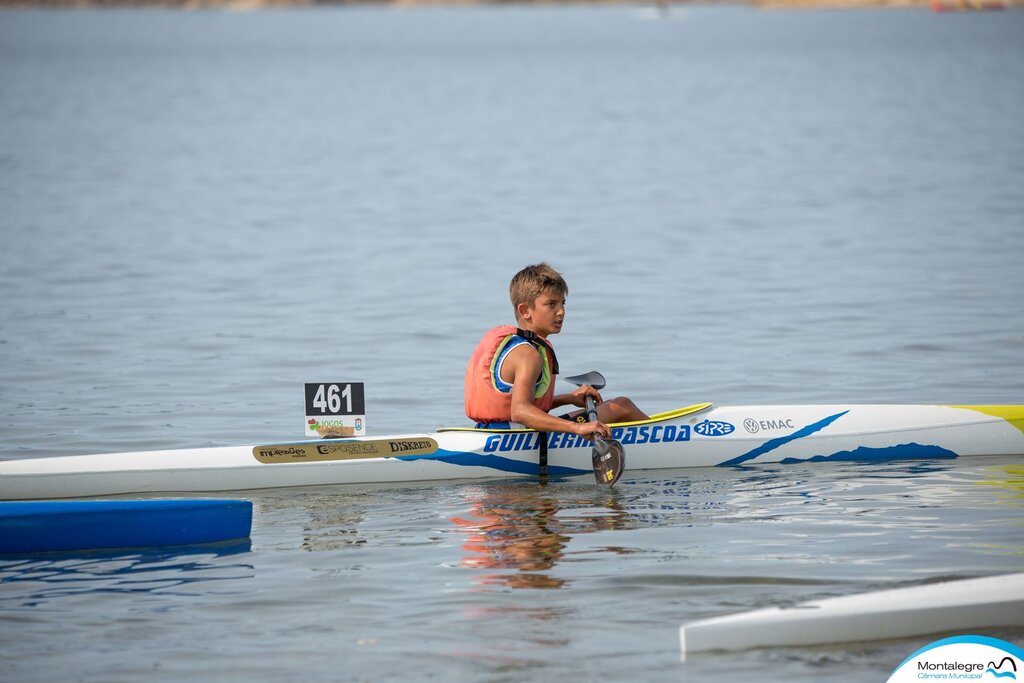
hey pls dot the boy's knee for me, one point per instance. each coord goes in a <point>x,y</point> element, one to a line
<point>624,410</point>
<point>622,407</point>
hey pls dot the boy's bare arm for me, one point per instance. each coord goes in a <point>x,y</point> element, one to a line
<point>525,362</point>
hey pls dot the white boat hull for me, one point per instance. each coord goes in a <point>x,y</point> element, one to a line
<point>698,436</point>
<point>949,606</point>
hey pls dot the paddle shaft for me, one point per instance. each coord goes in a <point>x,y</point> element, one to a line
<point>599,443</point>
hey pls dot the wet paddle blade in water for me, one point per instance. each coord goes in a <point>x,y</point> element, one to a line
<point>609,461</point>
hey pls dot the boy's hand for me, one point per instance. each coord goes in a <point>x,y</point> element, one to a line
<point>580,395</point>
<point>588,430</point>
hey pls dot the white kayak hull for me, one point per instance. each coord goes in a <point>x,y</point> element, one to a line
<point>949,606</point>
<point>697,436</point>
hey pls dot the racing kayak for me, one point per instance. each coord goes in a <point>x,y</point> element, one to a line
<point>700,435</point>
<point>948,606</point>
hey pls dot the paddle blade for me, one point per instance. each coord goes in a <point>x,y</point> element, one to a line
<point>593,378</point>
<point>609,461</point>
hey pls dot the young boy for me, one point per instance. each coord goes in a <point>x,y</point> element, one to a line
<point>510,377</point>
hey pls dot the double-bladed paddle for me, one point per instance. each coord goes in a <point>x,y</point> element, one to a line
<point>607,456</point>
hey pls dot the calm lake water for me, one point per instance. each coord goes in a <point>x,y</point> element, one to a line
<point>201,211</point>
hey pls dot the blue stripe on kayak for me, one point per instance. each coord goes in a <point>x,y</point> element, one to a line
<point>494,462</point>
<point>772,444</point>
<point>903,451</point>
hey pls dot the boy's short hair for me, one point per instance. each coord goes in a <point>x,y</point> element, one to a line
<point>532,281</point>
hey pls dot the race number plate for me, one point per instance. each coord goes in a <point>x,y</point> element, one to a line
<point>335,409</point>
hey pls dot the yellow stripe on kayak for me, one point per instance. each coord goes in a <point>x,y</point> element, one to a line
<point>658,417</point>
<point>1012,414</point>
<point>661,417</point>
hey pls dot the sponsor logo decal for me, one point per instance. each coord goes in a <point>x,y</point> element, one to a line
<point>754,426</point>
<point>350,448</point>
<point>280,452</point>
<point>407,445</point>
<point>962,658</point>
<point>713,428</point>
<point>344,450</point>
<point>637,435</point>
<point>330,428</point>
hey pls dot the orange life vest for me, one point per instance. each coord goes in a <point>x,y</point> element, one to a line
<point>486,399</point>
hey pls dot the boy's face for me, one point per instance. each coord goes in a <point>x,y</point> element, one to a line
<point>545,315</point>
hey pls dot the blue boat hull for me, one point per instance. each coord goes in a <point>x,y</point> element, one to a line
<point>46,526</point>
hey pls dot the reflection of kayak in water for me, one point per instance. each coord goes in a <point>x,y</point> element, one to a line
<point>697,436</point>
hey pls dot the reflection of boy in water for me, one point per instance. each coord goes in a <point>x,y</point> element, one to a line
<point>507,537</point>
<point>513,539</point>
<point>516,529</point>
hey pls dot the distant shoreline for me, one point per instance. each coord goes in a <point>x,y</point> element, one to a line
<point>936,5</point>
